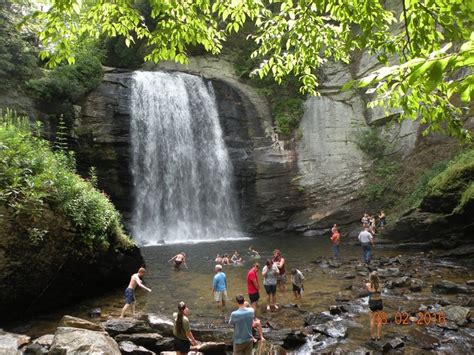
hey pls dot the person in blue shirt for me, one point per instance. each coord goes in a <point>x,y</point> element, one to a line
<point>219,286</point>
<point>242,320</point>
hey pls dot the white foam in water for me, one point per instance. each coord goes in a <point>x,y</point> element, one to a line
<point>182,173</point>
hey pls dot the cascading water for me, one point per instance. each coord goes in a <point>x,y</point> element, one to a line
<point>181,169</point>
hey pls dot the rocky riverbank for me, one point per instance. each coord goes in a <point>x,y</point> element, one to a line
<point>432,295</point>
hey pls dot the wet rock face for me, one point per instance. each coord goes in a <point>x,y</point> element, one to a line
<point>74,340</point>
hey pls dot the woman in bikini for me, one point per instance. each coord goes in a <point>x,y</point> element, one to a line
<point>375,305</point>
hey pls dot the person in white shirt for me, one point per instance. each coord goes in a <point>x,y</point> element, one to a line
<point>367,241</point>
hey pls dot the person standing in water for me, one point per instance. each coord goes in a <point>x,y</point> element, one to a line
<point>367,241</point>
<point>375,305</point>
<point>270,274</point>
<point>335,240</point>
<point>135,281</point>
<point>178,260</point>
<point>219,286</point>
<point>382,220</point>
<point>253,286</point>
<point>183,337</point>
<point>297,279</point>
<point>280,263</point>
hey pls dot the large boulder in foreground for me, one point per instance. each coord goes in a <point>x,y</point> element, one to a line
<point>69,340</point>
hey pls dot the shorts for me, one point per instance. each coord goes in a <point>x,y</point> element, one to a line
<point>243,349</point>
<point>220,296</point>
<point>375,305</point>
<point>296,289</point>
<point>254,297</point>
<point>270,289</point>
<point>129,295</point>
<point>182,345</point>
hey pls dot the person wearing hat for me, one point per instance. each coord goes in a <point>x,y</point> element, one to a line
<point>219,286</point>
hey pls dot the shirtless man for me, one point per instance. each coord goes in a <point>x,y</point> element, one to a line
<point>130,291</point>
<point>178,260</point>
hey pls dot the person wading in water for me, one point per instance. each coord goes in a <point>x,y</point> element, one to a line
<point>178,260</point>
<point>279,261</point>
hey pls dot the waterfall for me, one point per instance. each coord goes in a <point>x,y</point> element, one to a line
<point>181,170</point>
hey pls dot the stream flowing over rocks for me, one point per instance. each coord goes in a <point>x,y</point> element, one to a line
<point>413,286</point>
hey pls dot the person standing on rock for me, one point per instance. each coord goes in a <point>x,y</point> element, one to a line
<point>375,305</point>
<point>242,320</point>
<point>382,220</point>
<point>270,273</point>
<point>367,241</point>
<point>335,240</point>
<point>135,281</point>
<point>219,286</point>
<point>253,286</point>
<point>183,337</point>
<point>279,261</point>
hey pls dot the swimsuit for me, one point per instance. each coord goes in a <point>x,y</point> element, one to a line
<point>375,301</point>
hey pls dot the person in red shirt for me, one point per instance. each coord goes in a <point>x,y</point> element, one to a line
<point>253,286</point>
<point>335,239</point>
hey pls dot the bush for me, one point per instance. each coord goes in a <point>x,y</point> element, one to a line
<point>288,113</point>
<point>34,179</point>
<point>69,82</point>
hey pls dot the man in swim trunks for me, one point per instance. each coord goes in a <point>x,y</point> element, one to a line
<point>253,286</point>
<point>135,281</point>
<point>178,260</point>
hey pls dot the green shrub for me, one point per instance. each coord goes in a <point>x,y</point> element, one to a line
<point>33,178</point>
<point>381,180</point>
<point>68,82</point>
<point>288,113</point>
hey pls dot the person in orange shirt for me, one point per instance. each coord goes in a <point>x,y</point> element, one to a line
<point>335,239</point>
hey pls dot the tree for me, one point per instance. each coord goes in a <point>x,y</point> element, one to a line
<point>430,79</point>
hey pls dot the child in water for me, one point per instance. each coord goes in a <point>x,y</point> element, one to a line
<point>297,279</point>
<point>236,258</point>
<point>225,260</point>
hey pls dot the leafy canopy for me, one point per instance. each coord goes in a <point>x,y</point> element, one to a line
<point>430,79</point>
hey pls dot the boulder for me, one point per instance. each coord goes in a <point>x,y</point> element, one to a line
<point>127,347</point>
<point>45,340</point>
<point>116,326</point>
<point>470,282</point>
<point>288,338</point>
<point>416,285</point>
<point>82,341</point>
<point>333,329</point>
<point>423,340</point>
<point>265,348</point>
<point>395,343</point>
<point>403,281</point>
<point>389,272</point>
<point>223,334</point>
<point>316,318</point>
<point>73,322</point>
<point>457,314</point>
<point>212,348</point>
<point>160,323</point>
<point>34,349</point>
<point>164,344</point>
<point>337,309</point>
<point>147,340</point>
<point>11,342</point>
<point>95,312</point>
<point>448,287</point>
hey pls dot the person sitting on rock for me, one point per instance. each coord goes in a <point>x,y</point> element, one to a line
<point>256,324</point>
<point>135,281</point>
